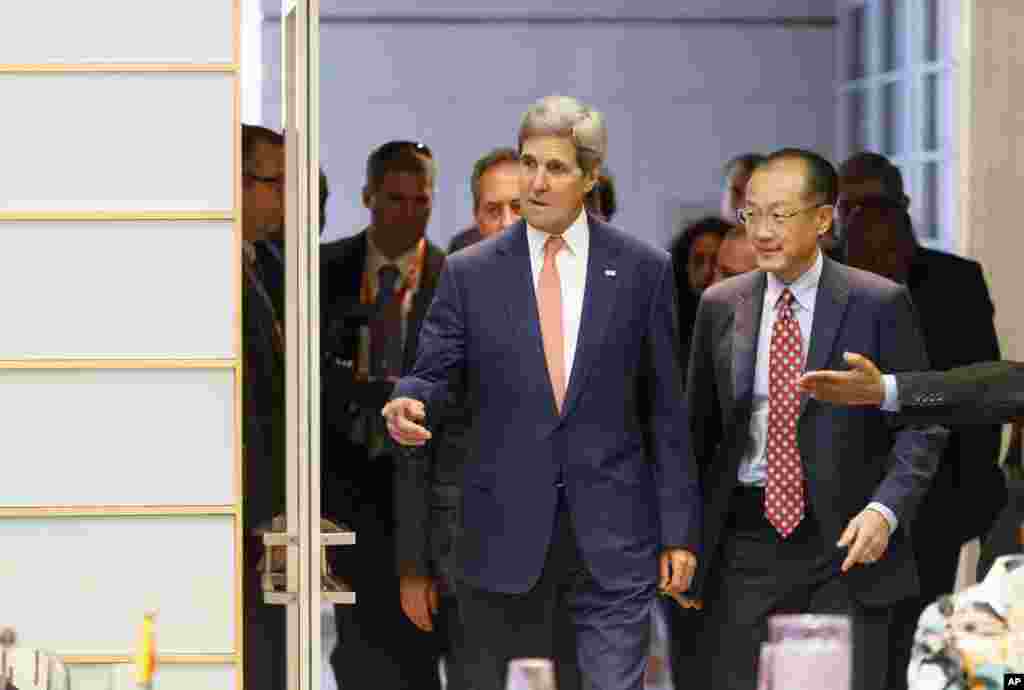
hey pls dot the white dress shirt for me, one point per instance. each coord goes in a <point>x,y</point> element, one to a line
<point>891,402</point>
<point>572,272</point>
<point>753,470</point>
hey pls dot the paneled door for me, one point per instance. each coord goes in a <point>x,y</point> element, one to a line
<point>120,342</point>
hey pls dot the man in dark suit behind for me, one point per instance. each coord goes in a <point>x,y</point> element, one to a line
<point>554,324</point>
<point>806,505</point>
<point>494,183</point>
<point>263,394</point>
<point>968,491</point>
<point>365,350</point>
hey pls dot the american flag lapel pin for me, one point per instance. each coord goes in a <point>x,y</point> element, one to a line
<point>610,272</point>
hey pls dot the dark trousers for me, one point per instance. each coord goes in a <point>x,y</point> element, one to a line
<point>266,652</point>
<point>759,574</point>
<point>448,625</point>
<point>566,616</point>
<point>378,647</point>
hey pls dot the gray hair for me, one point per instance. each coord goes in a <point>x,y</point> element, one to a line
<point>565,116</point>
<point>488,161</point>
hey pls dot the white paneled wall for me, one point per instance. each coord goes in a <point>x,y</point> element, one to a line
<point>127,437</point>
<point>117,141</point>
<point>125,289</point>
<point>124,31</point>
<point>100,572</point>
<point>120,350</point>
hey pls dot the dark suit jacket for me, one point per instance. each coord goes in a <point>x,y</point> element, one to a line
<point>428,494</point>
<point>464,238</point>
<point>263,394</point>
<point>341,274</point>
<point>956,315</point>
<point>851,456</point>
<point>986,393</point>
<point>625,504</point>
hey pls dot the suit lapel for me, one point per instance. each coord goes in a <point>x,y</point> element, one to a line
<point>521,304</point>
<point>598,305</point>
<point>746,329</point>
<point>829,308</point>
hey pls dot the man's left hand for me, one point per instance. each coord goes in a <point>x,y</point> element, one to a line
<point>677,569</point>
<point>866,538</point>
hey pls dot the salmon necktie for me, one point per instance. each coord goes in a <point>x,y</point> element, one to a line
<point>549,303</point>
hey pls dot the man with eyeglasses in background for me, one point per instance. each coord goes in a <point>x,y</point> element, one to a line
<point>375,290</point>
<point>805,504</point>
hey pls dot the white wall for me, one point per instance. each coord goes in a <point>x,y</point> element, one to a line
<point>680,96</point>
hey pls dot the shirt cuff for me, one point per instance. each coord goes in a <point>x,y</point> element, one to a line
<point>889,516</point>
<point>891,402</point>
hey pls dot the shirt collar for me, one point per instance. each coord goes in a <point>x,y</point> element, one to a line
<point>803,288</point>
<point>375,259</point>
<point>576,237</point>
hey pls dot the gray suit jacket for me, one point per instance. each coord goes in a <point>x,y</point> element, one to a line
<point>851,456</point>
<point>986,393</point>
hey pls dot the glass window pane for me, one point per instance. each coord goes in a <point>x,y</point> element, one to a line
<point>932,33</point>
<point>930,116</point>
<point>937,117</point>
<point>893,116</point>
<point>856,38</point>
<point>928,228</point>
<point>894,34</point>
<point>856,120</point>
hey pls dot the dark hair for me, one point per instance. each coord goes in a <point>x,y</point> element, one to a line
<point>822,181</point>
<point>398,156</point>
<point>252,136</point>
<point>325,192</point>
<point>505,154</point>
<point>680,246</point>
<point>602,195</point>
<point>874,166</point>
<point>744,161</point>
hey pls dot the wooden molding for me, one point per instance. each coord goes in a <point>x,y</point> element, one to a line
<point>99,511</point>
<point>103,67</point>
<point>62,216</point>
<point>227,363</point>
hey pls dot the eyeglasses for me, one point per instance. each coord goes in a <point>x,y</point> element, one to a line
<point>750,217</point>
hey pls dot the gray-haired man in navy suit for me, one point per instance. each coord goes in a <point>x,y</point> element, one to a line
<point>580,488</point>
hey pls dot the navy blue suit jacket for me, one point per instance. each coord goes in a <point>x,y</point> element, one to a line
<point>851,455</point>
<point>621,441</point>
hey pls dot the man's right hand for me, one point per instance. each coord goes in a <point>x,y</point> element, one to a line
<point>404,416</point>
<point>419,600</point>
<point>862,385</point>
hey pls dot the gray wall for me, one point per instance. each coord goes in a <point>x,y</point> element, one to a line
<point>682,92</point>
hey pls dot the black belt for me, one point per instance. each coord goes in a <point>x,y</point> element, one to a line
<point>746,511</point>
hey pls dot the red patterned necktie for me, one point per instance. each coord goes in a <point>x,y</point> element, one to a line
<point>784,494</point>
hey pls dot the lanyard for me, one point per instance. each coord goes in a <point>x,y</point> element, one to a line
<point>410,279</point>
